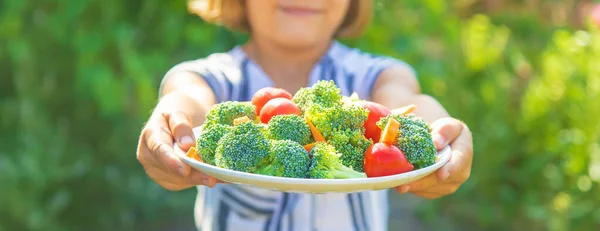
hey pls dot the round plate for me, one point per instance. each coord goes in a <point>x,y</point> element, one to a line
<point>314,185</point>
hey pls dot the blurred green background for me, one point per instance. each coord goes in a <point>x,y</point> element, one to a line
<point>79,78</point>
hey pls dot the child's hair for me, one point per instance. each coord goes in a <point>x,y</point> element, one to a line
<point>232,14</point>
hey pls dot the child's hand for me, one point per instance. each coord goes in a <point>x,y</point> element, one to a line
<point>156,152</point>
<point>446,131</point>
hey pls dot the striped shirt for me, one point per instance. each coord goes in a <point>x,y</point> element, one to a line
<point>233,76</point>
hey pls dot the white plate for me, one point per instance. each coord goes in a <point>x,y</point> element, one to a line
<point>315,185</point>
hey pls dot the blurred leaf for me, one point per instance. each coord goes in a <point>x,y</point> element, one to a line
<point>80,77</point>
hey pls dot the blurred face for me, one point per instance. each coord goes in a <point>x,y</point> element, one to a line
<point>296,23</point>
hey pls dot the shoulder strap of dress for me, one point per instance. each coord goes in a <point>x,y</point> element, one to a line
<point>235,71</point>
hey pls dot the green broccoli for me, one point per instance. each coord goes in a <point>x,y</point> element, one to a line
<point>289,127</point>
<point>342,126</point>
<point>288,159</point>
<point>352,145</point>
<point>338,118</point>
<point>225,113</point>
<point>249,127</point>
<point>348,100</point>
<point>243,149</point>
<point>323,93</point>
<point>208,140</point>
<point>414,139</point>
<point>326,164</point>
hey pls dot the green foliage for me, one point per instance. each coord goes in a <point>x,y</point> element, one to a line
<point>79,79</point>
<point>528,91</point>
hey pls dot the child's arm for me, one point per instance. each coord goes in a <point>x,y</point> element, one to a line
<point>200,95</point>
<point>397,87</point>
<point>184,99</point>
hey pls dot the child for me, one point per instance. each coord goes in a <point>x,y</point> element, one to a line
<point>292,45</point>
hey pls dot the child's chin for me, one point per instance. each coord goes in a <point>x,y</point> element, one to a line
<point>301,39</point>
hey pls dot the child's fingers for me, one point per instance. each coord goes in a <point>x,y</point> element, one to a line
<point>158,149</point>
<point>445,130</point>
<point>181,128</point>
<point>458,168</point>
<point>200,178</point>
<point>421,185</point>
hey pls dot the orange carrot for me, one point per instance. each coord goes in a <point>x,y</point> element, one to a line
<point>404,110</point>
<point>316,134</point>
<point>309,147</point>
<point>392,128</point>
<point>193,153</point>
<point>240,120</point>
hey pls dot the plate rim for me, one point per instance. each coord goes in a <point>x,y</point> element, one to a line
<point>443,154</point>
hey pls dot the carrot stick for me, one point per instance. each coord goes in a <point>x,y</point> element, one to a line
<point>404,110</point>
<point>309,147</point>
<point>392,128</point>
<point>316,134</point>
<point>193,153</point>
<point>240,120</point>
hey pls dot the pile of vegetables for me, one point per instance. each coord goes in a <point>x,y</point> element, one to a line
<point>316,133</point>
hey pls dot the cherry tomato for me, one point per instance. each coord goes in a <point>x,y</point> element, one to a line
<point>376,112</point>
<point>385,160</point>
<point>278,106</point>
<point>262,96</point>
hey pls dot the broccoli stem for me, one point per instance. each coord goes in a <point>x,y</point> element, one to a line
<point>266,170</point>
<point>343,172</point>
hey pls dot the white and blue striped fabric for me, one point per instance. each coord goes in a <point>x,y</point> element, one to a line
<point>233,76</point>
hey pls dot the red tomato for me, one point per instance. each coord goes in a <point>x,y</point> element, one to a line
<point>262,96</point>
<point>376,112</point>
<point>278,106</point>
<point>385,160</point>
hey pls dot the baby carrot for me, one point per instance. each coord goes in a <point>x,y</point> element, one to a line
<point>404,110</point>
<point>193,153</point>
<point>392,128</point>
<point>309,147</point>
<point>316,134</point>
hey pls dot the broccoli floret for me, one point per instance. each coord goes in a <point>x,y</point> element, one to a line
<point>224,113</point>
<point>342,126</point>
<point>289,127</point>
<point>348,100</point>
<point>352,145</point>
<point>248,127</point>
<point>243,149</point>
<point>414,139</point>
<point>322,93</point>
<point>338,118</point>
<point>208,140</point>
<point>326,164</point>
<point>288,159</point>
